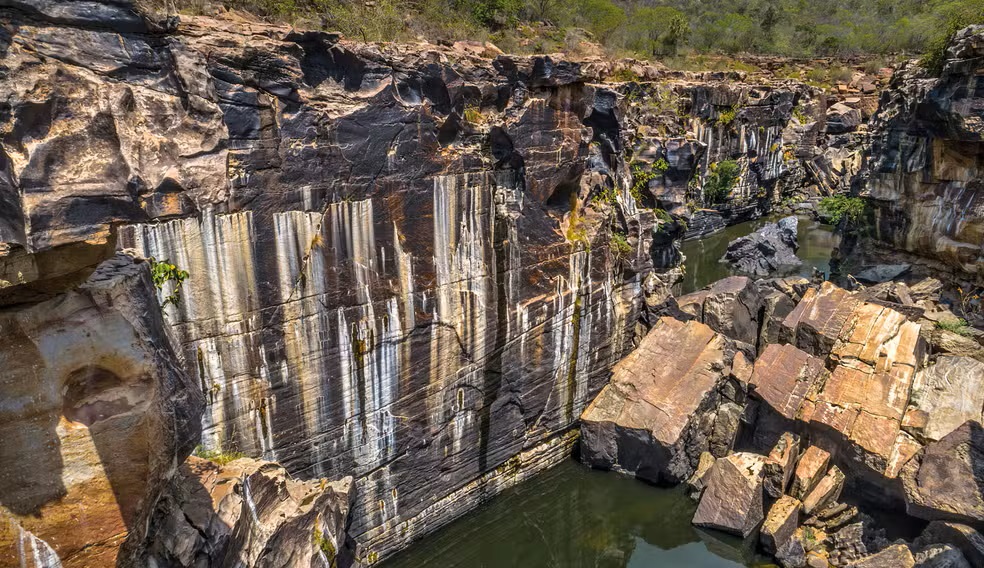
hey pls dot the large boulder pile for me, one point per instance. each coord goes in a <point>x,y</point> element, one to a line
<point>844,396</point>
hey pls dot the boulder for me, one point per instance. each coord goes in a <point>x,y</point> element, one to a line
<point>780,464</point>
<point>826,492</point>
<point>941,556</point>
<point>810,469</point>
<point>250,510</point>
<point>966,539</point>
<point>882,273</point>
<point>783,376</point>
<point>944,479</point>
<point>733,499</point>
<point>780,523</point>
<point>944,396</point>
<point>816,322</point>
<point>769,250</point>
<point>729,306</point>
<point>895,556</point>
<point>656,414</point>
<point>842,118</point>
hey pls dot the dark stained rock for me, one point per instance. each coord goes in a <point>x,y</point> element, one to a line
<point>965,538</point>
<point>943,480</point>
<point>650,419</point>
<point>251,511</point>
<point>882,273</point>
<point>780,465</point>
<point>923,174</point>
<point>729,306</point>
<point>767,251</point>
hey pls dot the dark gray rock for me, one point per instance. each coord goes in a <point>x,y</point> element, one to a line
<point>770,250</point>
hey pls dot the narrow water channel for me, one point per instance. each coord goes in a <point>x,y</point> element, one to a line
<point>575,517</point>
<point>703,264</point>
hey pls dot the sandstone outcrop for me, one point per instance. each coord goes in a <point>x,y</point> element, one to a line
<point>658,412</point>
<point>251,513</point>
<point>767,251</point>
<point>97,412</point>
<point>733,499</point>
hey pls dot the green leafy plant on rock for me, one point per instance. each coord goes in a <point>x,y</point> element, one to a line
<point>324,544</point>
<point>721,179</point>
<point>642,176</point>
<point>163,272</point>
<point>839,207</point>
<point>728,116</point>
<point>620,246</point>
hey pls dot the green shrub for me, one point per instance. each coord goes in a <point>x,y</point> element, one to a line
<point>163,272</point>
<point>840,207</point>
<point>641,178</point>
<point>947,19</point>
<point>720,181</point>
<point>620,246</point>
<point>726,117</point>
<point>958,326</point>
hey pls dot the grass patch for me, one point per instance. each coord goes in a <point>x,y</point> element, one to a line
<point>217,456</point>
<point>958,326</point>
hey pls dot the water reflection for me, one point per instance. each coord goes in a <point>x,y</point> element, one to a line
<point>574,517</point>
<point>703,264</point>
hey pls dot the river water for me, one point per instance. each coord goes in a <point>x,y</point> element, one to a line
<point>575,517</point>
<point>703,264</point>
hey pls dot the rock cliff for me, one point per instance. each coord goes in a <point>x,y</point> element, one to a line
<point>413,265</point>
<point>926,164</point>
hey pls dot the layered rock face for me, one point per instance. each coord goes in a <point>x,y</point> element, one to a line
<point>411,265</point>
<point>97,413</point>
<point>926,164</point>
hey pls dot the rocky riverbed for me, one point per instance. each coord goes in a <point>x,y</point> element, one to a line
<point>372,285</point>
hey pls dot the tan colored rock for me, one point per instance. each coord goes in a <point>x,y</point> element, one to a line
<point>780,523</point>
<point>95,413</point>
<point>895,556</point>
<point>826,492</point>
<point>645,421</point>
<point>944,396</point>
<point>698,481</point>
<point>733,499</point>
<point>810,469</point>
<point>783,376</point>
<point>816,322</point>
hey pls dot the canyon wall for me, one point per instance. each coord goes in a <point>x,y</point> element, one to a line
<point>414,265</point>
<point>926,165</point>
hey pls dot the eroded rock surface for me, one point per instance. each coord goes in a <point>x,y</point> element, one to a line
<point>97,413</point>
<point>251,513</point>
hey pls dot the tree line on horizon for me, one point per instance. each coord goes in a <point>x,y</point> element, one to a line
<point>645,28</point>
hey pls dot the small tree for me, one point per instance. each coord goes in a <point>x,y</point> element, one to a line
<point>720,181</point>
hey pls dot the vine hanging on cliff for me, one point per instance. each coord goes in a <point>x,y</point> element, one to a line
<point>163,272</point>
